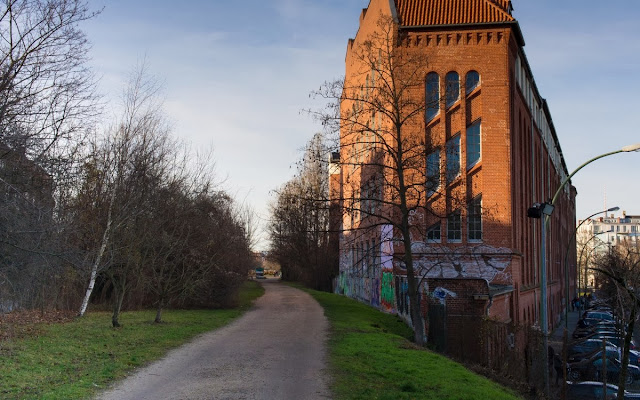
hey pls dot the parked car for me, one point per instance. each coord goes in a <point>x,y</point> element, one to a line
<point>601,315</point>
<point>591,369</point>
<point>588,346</point>
<point>602,329</point>
<point>612,352</point>
<point>590,322</point>
<point>590,390</point>
<point>615,340</point>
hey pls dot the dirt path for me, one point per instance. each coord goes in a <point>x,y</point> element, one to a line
<point>275,351</point>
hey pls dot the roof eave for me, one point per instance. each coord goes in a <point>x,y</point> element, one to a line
<point>514,24</point>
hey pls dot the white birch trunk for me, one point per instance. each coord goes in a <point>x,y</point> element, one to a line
<point>96,264</point>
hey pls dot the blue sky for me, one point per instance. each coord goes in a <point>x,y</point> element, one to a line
<point>237,73</point>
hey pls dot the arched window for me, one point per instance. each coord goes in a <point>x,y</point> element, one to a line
<point>432,95</point>
<point>473,81</point>
<point>452,81</point>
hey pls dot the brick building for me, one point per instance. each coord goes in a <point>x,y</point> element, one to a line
<point>488,150</point>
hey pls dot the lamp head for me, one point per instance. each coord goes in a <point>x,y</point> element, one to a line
<point>540,209</point>
<point>633,147</point>
<point>614,209</point>
<point>547,208</point>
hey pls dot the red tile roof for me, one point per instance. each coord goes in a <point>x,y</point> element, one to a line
<point>452,12</point>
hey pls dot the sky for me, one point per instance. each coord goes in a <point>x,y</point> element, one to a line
<point>237,75</point>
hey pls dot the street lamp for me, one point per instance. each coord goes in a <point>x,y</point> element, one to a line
<point>537,211</point>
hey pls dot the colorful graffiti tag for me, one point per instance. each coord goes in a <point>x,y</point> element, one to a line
<point>387,292</point>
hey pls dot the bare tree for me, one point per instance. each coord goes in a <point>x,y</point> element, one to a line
<point>619,272</point>
<point>299,229</point>
<point>393,189</point>
<point>376,110</point>
<point>47,96</point>
<point>47,104</point>
<point>121,173</point>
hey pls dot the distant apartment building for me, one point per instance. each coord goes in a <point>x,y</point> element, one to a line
<point>494,152</point>
<point>599,235</point>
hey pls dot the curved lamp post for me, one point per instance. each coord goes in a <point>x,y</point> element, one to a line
<point>546,209</point>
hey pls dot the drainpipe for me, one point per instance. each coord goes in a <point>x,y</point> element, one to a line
<point>489,304</point>
<point>489,301</point>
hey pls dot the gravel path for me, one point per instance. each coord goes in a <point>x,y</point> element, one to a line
<point>275,351</point>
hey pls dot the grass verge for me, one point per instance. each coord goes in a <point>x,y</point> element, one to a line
<point>76,359</point>
<point>371,357</point>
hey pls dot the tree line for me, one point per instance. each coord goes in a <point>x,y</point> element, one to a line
<point>102,210</point>
<point>300,231</point>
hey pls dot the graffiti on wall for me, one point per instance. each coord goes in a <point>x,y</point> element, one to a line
<point>441,294</point>
<point>386,247</point>
<point>366,290</point>
<point>485,262</point>
<point>387,292</point>
<point>375,292</point>
<point>402,295</point>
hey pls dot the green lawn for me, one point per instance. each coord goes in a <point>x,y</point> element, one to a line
<point>370,354</point>
<point>371,357</point>
<point>76,359</point>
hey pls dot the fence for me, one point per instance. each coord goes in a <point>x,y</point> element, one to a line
<point>507,352</point>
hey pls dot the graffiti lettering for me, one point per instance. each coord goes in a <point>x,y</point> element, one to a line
<point>387,292</point>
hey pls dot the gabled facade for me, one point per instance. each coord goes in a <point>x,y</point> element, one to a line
<point>491,152</point>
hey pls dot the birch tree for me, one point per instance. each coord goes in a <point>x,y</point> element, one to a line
<point>123,165</point>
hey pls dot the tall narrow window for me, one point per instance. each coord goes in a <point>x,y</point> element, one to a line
<point>452,81</point>
<point>472,81</point>
<point>473,144</point>
<point>432,95</point>
<point>474,219</point>
<point>453,158</point>
<point>433,172</point>
<point>433,232</point>
<point>454,227</point>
